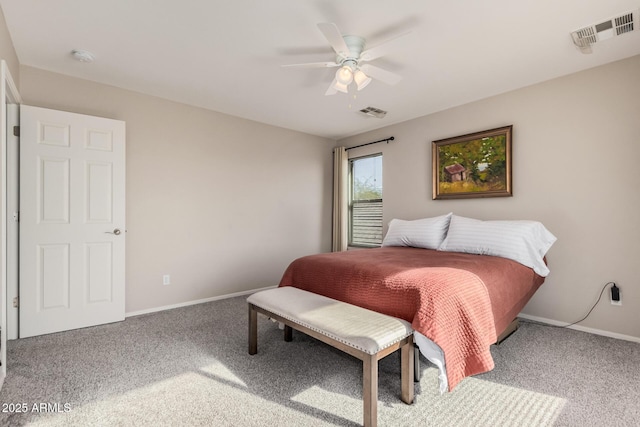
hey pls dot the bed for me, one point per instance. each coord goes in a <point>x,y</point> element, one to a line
<point>457,302</point>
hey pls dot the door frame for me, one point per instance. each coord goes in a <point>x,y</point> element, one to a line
<point>8,95</point>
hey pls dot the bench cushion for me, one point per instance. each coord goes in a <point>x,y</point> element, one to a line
<point>357,327</point>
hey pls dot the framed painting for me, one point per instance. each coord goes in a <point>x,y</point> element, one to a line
<point>473,165</point>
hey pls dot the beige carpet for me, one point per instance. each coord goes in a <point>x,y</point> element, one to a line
<point>190,367</point>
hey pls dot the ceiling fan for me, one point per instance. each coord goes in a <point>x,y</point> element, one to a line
<point>350,56</point>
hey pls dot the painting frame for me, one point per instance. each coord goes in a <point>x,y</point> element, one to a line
<point>475,165</point>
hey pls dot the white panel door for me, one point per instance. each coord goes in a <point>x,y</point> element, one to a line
<point>72,221</point>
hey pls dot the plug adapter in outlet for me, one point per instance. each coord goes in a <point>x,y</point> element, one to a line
<point>615,295</point>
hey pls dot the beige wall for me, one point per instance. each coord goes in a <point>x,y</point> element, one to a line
<point>220,203</point>
<point>223,204</point>
<point>7,52</point>
<point>576,146</point>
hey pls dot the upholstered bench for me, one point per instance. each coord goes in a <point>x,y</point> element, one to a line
<point>362,333</point>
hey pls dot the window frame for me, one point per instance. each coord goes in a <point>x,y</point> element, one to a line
<point>351,202</point>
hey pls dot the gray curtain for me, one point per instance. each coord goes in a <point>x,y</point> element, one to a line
<point>340,199</point>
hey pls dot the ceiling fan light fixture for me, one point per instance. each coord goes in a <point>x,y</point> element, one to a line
<point>341,87</point>
<point>344,75</point>
<point>361,79</point>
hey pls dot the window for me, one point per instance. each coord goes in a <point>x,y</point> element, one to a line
<point>365,201</point>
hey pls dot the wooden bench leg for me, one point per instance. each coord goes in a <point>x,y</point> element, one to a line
<point>253,330</point>
<point>407,355</point>
<point>288,333</point>
<point>417,372</point>
<point>370,390</point>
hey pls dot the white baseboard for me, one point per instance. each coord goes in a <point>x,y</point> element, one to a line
<point>581,328</point>
<point>522,315</point>
<point>187,303</point>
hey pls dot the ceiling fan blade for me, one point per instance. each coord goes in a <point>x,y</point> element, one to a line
<point>379,74</point>
<point>313,65</point>
<point>383,48</point>
<point>334,37</point>
<point>331,90</point>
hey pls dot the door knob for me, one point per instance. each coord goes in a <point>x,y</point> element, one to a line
<point>116,232</point>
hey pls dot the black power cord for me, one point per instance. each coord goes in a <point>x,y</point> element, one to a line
<point>577,321</point>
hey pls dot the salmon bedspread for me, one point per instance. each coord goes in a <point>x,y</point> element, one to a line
<point>459,301</point>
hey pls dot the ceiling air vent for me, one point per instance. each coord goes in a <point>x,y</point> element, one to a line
<point>587,36</point>
<point>374,112</point>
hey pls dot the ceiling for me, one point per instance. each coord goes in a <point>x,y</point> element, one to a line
<point>225,55</point>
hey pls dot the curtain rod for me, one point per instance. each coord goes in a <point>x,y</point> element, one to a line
<point>369,143</point>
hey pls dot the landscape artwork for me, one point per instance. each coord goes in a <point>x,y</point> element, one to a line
<point>473,165</point>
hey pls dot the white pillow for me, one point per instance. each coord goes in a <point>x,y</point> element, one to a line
<point>425,233</point>
<point>526,242</point>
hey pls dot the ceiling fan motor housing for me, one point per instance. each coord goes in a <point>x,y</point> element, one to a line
<point>356,46</point>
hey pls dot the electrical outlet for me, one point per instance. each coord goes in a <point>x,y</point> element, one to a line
<point>166,279</point>
<point>616,295</point>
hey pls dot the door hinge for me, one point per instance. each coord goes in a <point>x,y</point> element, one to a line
<point>16,302</point>
<point>16,216</point>
<point>16,131</point>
